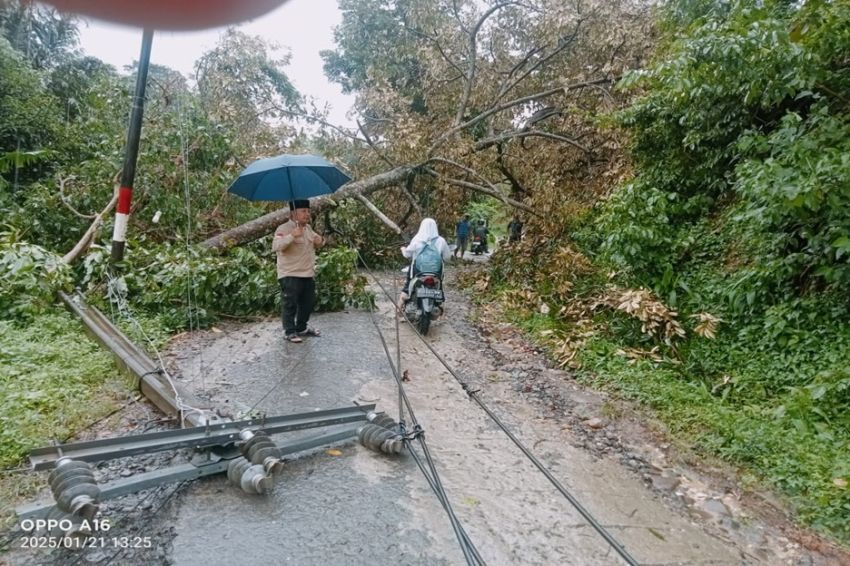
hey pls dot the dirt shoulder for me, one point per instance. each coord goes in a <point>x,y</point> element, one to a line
<point>707,491</point>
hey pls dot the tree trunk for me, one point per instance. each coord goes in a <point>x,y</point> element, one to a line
<point>266,224</point>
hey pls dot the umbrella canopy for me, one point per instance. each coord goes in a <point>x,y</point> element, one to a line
<point>288,177</point>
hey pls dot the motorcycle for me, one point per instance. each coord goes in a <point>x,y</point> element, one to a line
<point>477,246</point>
<point>425,301</point>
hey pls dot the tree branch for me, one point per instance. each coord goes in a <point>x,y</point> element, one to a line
<point>517,101</point>
<point>377,212</point>
<point>520,64</point>
<point>312,118</point>
<point>368,141</point>
<point>488,191</point>
<point>456,12</point>
<point>505,136</point>
<point>563,44</point>
<point>436,41</point>
<point>463,167</point>
<point>266,224</point>
<point>447,58</point>
<point>407,187</point>
<point>516,187</point>
<point>85,241</point>
<point>64,199</point>
<point>470,74</point>
<point>380,153</point>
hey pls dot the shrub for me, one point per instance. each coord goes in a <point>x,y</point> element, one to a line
<point>29,277</point>
<point>337,282</point>
<point>189,286</point>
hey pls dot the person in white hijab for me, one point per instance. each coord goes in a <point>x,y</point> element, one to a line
<point>428,232</point>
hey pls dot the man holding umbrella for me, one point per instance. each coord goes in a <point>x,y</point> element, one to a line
<point>295,245</point>
<point>293,178</point>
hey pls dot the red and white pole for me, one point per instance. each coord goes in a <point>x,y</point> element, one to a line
<point>131,153</point>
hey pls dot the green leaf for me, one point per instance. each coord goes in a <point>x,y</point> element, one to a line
<point>842,243</point>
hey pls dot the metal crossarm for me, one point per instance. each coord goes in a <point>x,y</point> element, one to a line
<point>195,437</point>
<point>183,472</point>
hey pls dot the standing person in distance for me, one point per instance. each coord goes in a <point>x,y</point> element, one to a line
<point>295,245</point>
<point>462,234</point>
<point>515,230</point>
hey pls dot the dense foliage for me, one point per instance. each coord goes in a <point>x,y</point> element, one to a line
<point>483,91</point>
<point>62,134</point>
<point>744,112</point>
<point>63,120</point>
<point>735,224</point>
<point>30,276</point>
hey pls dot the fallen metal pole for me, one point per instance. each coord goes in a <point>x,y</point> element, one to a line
<point>132,360</point>
<point>182,472</point>
<point>195,437</point>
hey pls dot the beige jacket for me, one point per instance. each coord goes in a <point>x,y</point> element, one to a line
<point>296,257</point>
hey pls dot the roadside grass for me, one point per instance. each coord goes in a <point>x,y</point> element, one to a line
<point>774,406</point>
<point>54,381</point>
<point>809,466</point>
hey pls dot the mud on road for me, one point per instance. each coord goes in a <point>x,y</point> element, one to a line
<point>352,506</point>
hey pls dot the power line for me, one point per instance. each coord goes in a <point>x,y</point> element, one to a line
<point>474,395</point>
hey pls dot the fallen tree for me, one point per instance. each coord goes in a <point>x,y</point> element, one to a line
<point>265,224</point>
<point>461,100</point>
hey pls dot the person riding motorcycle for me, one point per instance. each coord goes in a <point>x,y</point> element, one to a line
<point>419,251</point>
<point>480,232</point>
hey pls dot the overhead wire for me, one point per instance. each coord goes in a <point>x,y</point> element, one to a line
<point>192,306</point>
<point>441,497</point>
<point>122,305</point>
<point>398,362</point>
<point>118,299</point>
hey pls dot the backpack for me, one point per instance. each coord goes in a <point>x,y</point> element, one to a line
<point>428,259</point>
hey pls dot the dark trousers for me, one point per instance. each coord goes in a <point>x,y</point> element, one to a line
<point>298,297</point>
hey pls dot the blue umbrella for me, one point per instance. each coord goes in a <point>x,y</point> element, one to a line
<point>288,177</point>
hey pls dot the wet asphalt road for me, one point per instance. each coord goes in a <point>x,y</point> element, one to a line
<point>349,505</point>
<point>365,508</point>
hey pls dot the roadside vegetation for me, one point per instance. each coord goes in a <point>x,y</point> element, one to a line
<point>712,284</point>
<point>62,131</point>
<point>683,175</point>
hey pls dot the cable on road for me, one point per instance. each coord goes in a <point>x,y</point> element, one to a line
<point>473,394</point>
<point>470,553</point>
<point>397,361</point>
<point>283,377</point>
